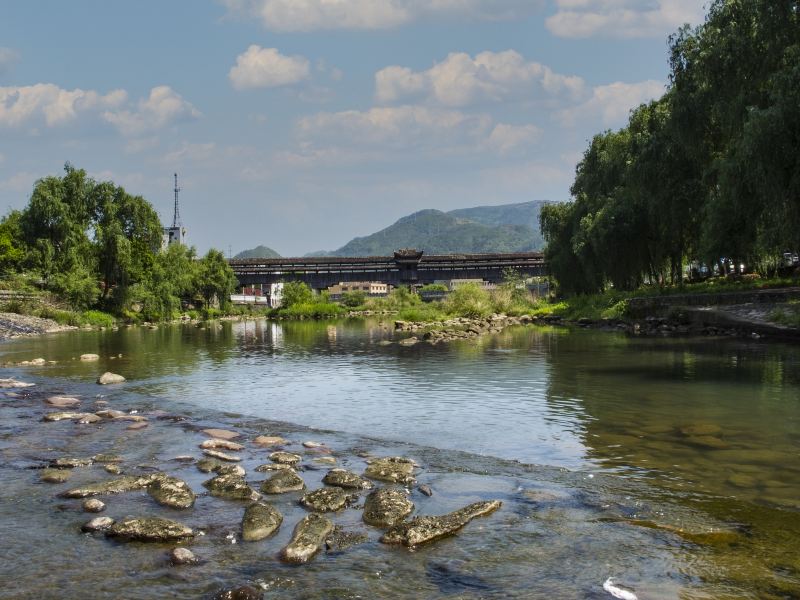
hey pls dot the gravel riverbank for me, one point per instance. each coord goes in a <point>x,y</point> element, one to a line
<point>13,325</point>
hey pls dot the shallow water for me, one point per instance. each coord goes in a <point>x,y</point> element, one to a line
<point>614,456</point>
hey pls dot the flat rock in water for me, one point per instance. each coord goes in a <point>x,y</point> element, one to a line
<point>63,401</point>
<point>55,475</point>
<point>222,434</point>
<point>340,540</point>
<point>71,463</point>
<point>325,500</point>
<point>93,505</point>
<point>182,556</point>
<point>307,539</point>
<point>313,445</point>
<point>107,458</point>
<point>285,458</point>
<point>228,469</point>
<point>216,444</point>
<point>108,378</point>
<point>420,530</point>
<point>386,507</point>
<point>260,521</point>
<point>67,416</point>
<point>126,483</point>
<point>283,482</point>
<point>425,489</point>
<point>171,491</point>
<point>90,357</point>
<point>149,529</point>
<point>269,467</point>
<point>113,469</point>
<point>232,487</point>
<point>88,418</point>
<point>13,383</point>
<point>244,592</point>
<point>346,479</point>
<point>393,469</point>
<point>269,440</point>
<point>208,465</point>
<point>136,426</point>
<point>98,524</point>
<point>222,456</point>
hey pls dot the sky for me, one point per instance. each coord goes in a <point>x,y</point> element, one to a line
<point>300,124</point>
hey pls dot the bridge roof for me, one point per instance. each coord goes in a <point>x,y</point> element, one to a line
<point>362,260</point>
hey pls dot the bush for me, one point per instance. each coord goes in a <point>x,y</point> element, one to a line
<point>97,318</point>
<point>469,300</point>
<point>354,298</point>
<point>296,292</point>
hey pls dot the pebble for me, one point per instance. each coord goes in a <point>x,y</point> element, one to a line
<point>182,556</point>
<point>93,505</point>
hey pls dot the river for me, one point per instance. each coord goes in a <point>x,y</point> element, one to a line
<point>670,464</point>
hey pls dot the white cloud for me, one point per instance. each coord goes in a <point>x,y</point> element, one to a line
<point>266,67</point>
<point>8,58</point>
<point>461,80</point>
<point>313,15</point>
<point>161,108</point>
<point>623,18</point>
<point>610,104</point>
<point>409,130</point>
<point>48,104</point>
<point>19,182</point>
<point>188,152</point>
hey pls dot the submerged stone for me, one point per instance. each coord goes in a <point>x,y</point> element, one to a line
<point>107,458</point>
<point>421,530</point>
<point>182,556</point>
<point>71,463</point>
<point>222,455</point>
<point>55,475</point>
<point>98,524</point>
<point>216,443</point>
<point>208,465</point>
<point>325,500</point>
<point>340,540</point>
<point>13,383</point>
<point>307,539</point>
<point>149,529</point>
<point>109,378</point>
<point>346,479</point>
<point>285,458</point>
<point>244,592</point>
<point>222,434</point>
<point>126,483</point>
<point>93,505</point>
<point>231,486</point>
<point>283,482</point>
<point>63,401</point>
<point>171,491</point>
<point>386,507</point>
<point>113,469</point>
<point>269,467</point>
<point>393,469</point>
<point>68,416</point>
<point>269,440</point>
<point>90,357</point>
<point>260,521</point>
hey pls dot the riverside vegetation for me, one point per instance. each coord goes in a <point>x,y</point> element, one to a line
<point>87,252</point>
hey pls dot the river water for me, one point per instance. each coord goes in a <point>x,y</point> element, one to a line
<point>672,465</point>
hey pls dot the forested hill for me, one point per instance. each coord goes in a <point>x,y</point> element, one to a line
<point>506,228</point>
<point>258,252</point>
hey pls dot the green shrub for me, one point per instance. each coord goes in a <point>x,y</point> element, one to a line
<point>354,298</point>
<point>469,300</point>
<point>97,318</point>
<point>296,292</point>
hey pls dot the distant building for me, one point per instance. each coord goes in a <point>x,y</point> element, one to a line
<point>370,288</point>
<point>177,233</point>
<point>270,294</point>
<point>452,284</point>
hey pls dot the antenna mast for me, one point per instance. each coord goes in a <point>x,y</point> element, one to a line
<point>176,219</point>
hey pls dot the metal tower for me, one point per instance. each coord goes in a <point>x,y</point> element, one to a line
<point>176,219</point>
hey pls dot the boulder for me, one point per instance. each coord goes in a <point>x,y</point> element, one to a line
<point>182,556</point>
<point>97,524</point>
<point>126,483</point>
<point>260,521</point>
<point>171,491</point>
<point>216,444</point>
<point>283,482</point>
<point>420,530</point>
<point>231,486</point>
<point>150,529</point>
<point>93,505</point>
<point>285,458</point>
<point>393,469</point>
<point>346,479</point>
<point>109,378</point>
<point>386,507</point>
<point>307,539</point>
<point>63,401</point>
<point>88,418</point>
<point>325,499</point>
<point>55,475</point>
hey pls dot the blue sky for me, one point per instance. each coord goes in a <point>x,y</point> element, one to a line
<point>300,124</point>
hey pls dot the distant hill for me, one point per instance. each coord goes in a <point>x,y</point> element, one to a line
<point>258,252</point>
<point>484,229</point>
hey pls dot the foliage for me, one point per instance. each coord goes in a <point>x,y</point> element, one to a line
<point>469,300</point>
<point>311,310</point>
<point>354,298</point>
<point>296,292</point>
<point>433,287</point>
<point>708,173</point>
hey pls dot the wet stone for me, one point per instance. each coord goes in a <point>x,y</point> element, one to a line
<point>109,378</point>
<point>393,469</point>
<point>421,530</point>
<point>14,383</point>
<point>707,441</point>
<point>182,556</point>
<point>346,479</point>
<point>222,434</point>
<point>325,460</point>
<point>98,524</point>
<point>244,592</point>
<point>386,507</point>
<point>67,416</point>
<point>107,458</point>
<point>90,357</point>
<point>136,426</point>
<point>325,500</point>
<point>283,482</point>
<point>171,491</point>
<point>230,470</point>
<point>313,444</point>
<point>425,489</point>
<point>269,467</point>
<point>71,463</point>
<point>266,441</point>
<point>113,469</point>
<point>126,483</point>
<point>207,465</point>
<point>63,401</point>
<point>307,539</point>
<point>149,529</point>
<point>93,505</point>
<point>260,521</point>
<point>216,444</point>
<point>285,458</point>
<point>340,540</point>
<point>55,475</point>
<point>695,429</point>
<point>222,456</point>
<point>231,486</point>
